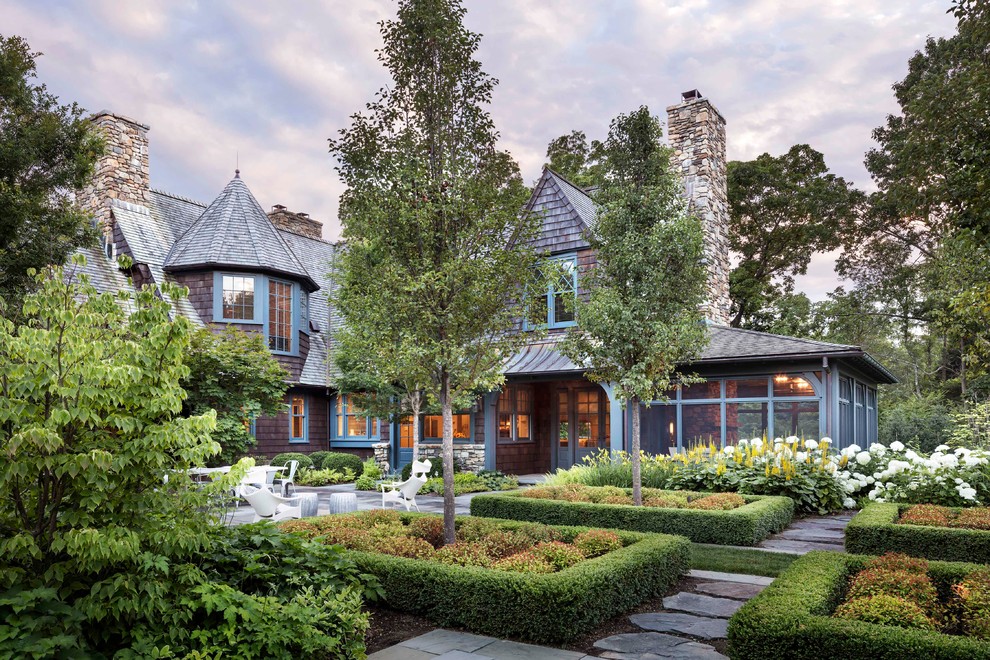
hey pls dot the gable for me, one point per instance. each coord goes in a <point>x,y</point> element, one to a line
<point>563,225</point>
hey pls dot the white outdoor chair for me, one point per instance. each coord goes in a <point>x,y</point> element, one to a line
<point>283,483</point>
<point>269,506</point>
<point>256,477</point>
<point>404,491</point>
<point>421,468</point>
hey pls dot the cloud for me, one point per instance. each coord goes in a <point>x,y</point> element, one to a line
<point>270,82</point>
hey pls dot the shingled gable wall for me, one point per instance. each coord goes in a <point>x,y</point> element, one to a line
<point>696,133</point>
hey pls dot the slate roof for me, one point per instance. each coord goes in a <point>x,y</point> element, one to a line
<point>566,213</point>
<point>578,198</point>
<point>234,231</point>
<point>103,273</point>
<point>726,345</point>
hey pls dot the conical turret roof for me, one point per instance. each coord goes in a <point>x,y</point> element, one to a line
<point>234,232</point>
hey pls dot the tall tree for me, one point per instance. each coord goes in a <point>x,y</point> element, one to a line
<point>572,157</point>
<point>642,317</point>
<point>47,152</point>
<point>783,210</point>
<point>431,215</point>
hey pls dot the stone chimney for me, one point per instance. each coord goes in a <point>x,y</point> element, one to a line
<point>696,133</point>
<point>122,172</point>
<point>298,222</point>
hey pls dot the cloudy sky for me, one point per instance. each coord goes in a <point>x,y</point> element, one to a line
<point>269,82</point>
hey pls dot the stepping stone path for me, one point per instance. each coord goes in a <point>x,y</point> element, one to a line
<point>702,614</point>
<point>812,533</point>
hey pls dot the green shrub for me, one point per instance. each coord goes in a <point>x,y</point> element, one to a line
<point>973,595</point>
<point>885,610</point>
<point>428,528</point>
<point>317,458</point>
<point>340,461</point>
<point>875,530</point>
<point>745,525</point>
<point>792,618</point>
<point>923,423</point>
<point>557,554</point>
<point>406,546</point>
<point>524,562</point>
<point>435,472</point>
<point>927,514</point>
<point>323,477</point>
<point>464,553</point>
<point>898,561</point>
<point>597,542</point>
<point>500,545</point>
<point>371,474</point>
<point>913,587</point>
<point>547,608</point>
<point>305,462</point>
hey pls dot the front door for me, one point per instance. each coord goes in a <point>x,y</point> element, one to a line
<point>403,452</point>
<point>582,424</point>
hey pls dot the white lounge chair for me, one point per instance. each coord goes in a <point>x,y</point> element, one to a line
<point>403,491</point>
<point>269,506</point>
<point>283,483</point>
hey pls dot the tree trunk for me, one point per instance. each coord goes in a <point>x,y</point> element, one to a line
<point>415,402</point>
<point>634,450</point>
<point>448,459</point>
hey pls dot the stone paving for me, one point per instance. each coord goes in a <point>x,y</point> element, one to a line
<point>812,533</point>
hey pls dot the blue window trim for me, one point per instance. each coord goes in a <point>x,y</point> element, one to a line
<point>261,312</point>
<point>338,408</point>
<point>551,294</point>
<point>305,416</point>
<point>260,302</point>
<point>457,441</point>
<point>253,426</point>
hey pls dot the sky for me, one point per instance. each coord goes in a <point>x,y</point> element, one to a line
<point>264,84</point>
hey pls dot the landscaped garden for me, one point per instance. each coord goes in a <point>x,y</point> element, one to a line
<point>924,530</point>
<point>725,518</point>
<point>504,578</point>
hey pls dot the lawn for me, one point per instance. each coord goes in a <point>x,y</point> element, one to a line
<point>739,560</point>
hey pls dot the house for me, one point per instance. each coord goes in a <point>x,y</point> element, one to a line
<point>265,272</point>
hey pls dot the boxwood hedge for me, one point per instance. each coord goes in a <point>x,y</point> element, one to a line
<point>875,531</point>
<point>760,517</point>
<point>547,608</point>
<point>792,618</point>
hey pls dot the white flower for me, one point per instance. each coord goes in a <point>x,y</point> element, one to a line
<point>942,448</point>
<point>968,493</point>
<point>729,450</point>
<point>959,481</point>
<point>854,449</point>
<point>849,503</point>
<point>757,443</point>
<point>825,441</point>
<point>863,457</point>
<point>801,456</point>
<point>870,480</point>
<point>810,445</point>
<point>792,438</point>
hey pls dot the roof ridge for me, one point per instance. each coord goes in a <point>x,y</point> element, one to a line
<point>568,182</point>
<point>181,198</point>
<point>282,230</point>
<point>773,334</point>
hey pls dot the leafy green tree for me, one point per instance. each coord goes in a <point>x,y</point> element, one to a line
<point>47,152</point>
<point>642,317</point>
<point>234,374</point>
<point>573,158</point>
<point>431,215</point>
<point>783,210</point>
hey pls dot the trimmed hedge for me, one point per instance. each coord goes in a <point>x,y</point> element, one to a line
<point>547,608</point>
<point>760,517</point>
<point>792,618</point>
<point>874,531</point>
<point>305,462</point>
<point>340,461</point>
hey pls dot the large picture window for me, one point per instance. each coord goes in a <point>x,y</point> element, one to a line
<point>279,316</point>
<point>238,298</point>
<point>352,422</point>
<point>515,414</point>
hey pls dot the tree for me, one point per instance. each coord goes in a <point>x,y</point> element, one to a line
<point>642,317</point>
<point>783,210</point>
<point>47,152</point>
<point>572,157</point>
<point>235,375</point>
<point>432,214</point>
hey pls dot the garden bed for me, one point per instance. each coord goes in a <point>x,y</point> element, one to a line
<point>513,597</point>
<point>878,529</point>
<point>745,525</point>
<point>793,617</point>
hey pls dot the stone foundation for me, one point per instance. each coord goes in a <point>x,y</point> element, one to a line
<point>471,458</point>
<point>381,456</point>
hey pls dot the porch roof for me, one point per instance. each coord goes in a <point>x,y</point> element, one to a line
<point>726,346</point>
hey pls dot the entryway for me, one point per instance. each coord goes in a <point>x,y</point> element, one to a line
<point>581,420</point>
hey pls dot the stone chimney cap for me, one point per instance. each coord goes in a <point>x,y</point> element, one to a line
<point>278,207</point>
<point>107,113</point>
<point>690,95</point>
<point>302,215</point>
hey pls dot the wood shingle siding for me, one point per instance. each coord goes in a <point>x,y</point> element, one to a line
<point>563,227</point>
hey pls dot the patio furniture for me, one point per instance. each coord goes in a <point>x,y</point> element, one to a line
<point>404,491</point>
<point>309,504</point>
<point>343,503</point>
<point>283,483</point>
<point>421,468</point>
<point>269,506</point>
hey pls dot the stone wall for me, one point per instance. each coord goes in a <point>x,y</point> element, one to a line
<point>122,172</point>
<point>297,223</point>
<point>471,458</point>
<point>696,132</point>
<point>381,456</point>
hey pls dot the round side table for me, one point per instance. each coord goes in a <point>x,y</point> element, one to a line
<point>343,503</point>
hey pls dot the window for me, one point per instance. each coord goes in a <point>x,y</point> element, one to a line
<point>589,431</point>
<point>845,412</point>
<point>798,418</point>
<point>279,316</point>
<point>871,415</point>
<point>744,421</point>
<point>433,426</point>
<point>252,428</point>
<point>515,414</point>
<point>558,305</point>
<point>563,419</point>
<point>297,419</point>
<point>237,298</point>
<point>702,424</point>
<point>352,422</point>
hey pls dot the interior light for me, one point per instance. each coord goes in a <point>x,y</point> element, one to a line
<point>780,378</point>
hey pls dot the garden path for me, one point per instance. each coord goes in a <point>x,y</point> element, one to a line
<point>811,533</point>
